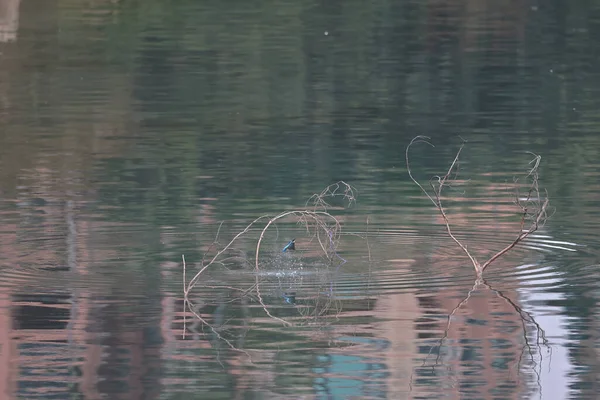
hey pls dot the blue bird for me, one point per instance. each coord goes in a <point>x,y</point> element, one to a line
<point>290,297</point>
<point>290,246</point>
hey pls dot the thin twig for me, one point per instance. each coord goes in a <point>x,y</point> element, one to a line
<point>438,194</point>
<point>419,139</point>
<point>317,217</point>
<point>534,207</point>
<point>217,334</point>
<point>184,295</point>
<point>317,221</point>
<point>204,267</point>
<point>534,201</point>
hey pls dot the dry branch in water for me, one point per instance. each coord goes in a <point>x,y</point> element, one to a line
<point>533,209</point>
<point>533,206</point>
<point>322,228</point>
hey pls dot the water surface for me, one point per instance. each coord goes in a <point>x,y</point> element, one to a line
<point>132,133</point>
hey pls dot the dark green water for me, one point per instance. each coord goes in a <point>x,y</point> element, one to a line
<point>132,133</point>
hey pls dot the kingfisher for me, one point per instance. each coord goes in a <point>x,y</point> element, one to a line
<point>290,297</point>
<point>290,246</point>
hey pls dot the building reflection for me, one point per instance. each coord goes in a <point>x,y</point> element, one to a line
<point>74,318</point>
<point>9,20</point>
<point>92,330</point>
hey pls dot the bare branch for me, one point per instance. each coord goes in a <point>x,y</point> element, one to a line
<point>534,208</point>
<point>217,334</point>
<point>184,295</point>
<point>338,189</point>
<point>436,200</point>
<point>322,227</point>
<point>204,267</point>
<point>418,139</point>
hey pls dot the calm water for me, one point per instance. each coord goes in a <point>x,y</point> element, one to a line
<point>132,133</point>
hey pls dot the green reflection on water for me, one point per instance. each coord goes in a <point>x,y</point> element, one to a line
<point>159,120</point>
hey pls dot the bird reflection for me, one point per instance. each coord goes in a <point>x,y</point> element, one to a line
<point>290,297</point>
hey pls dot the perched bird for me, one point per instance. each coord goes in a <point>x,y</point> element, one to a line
<point>290,246</point>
